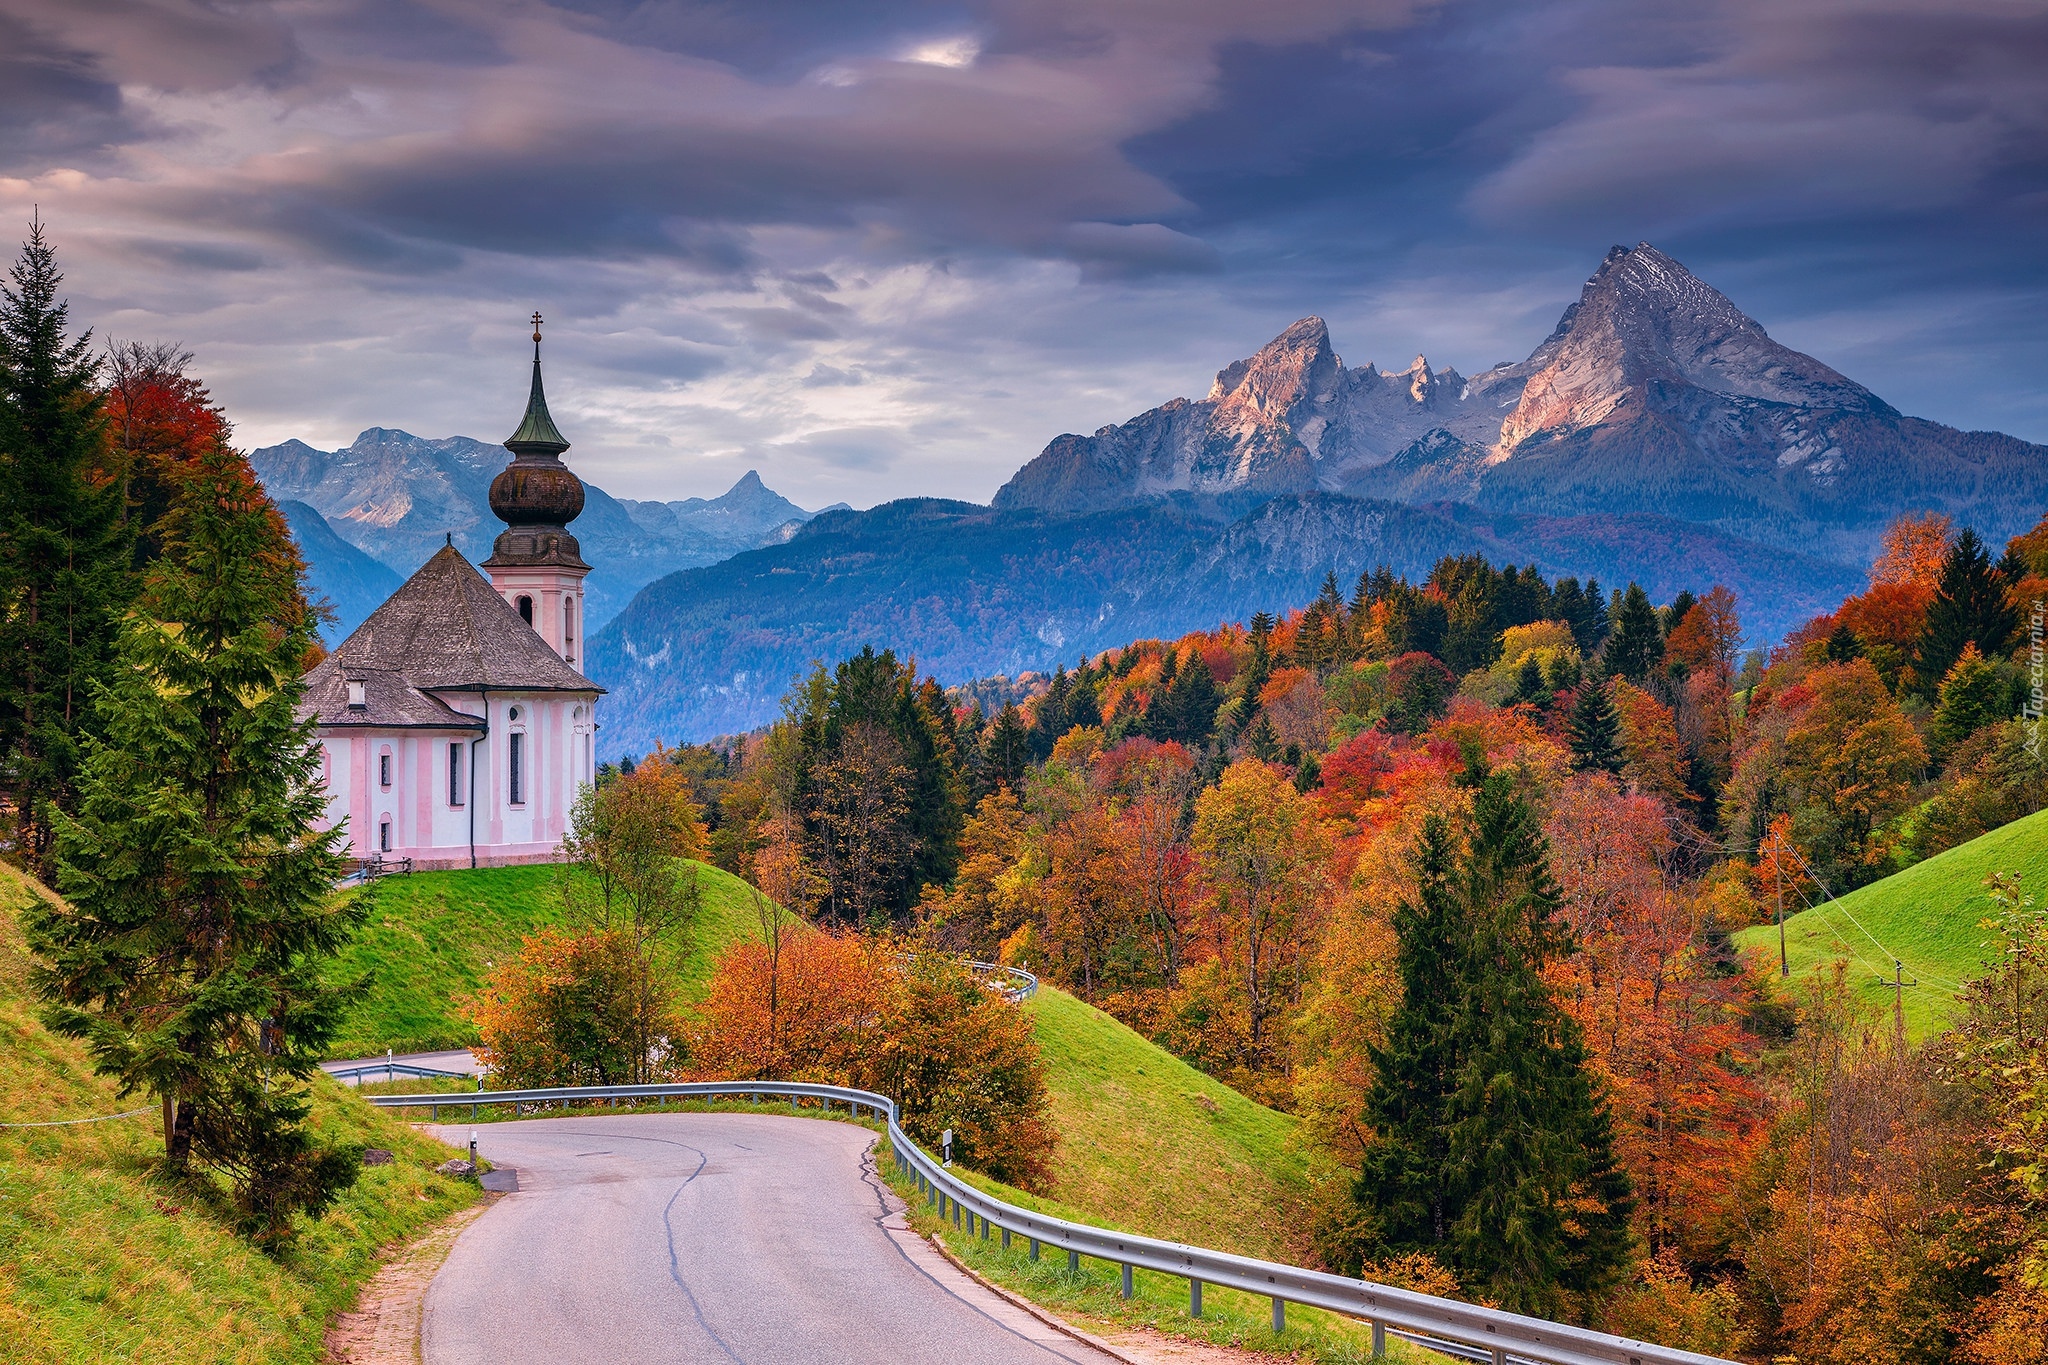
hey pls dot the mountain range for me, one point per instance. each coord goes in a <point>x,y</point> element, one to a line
<point>1654,394</point>
<point>387,500</point>
<point>1658,434</point>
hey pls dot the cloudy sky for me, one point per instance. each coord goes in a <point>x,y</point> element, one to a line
<point>892,248</point>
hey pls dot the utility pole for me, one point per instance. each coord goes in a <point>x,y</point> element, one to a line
<point>1778,869</point>
<point>1899,984</point>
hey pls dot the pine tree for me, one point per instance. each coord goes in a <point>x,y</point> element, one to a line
<point>1008,750</point>
<point>1636,647</point>
<point>64,547</point>
<point>1493,1149</point>
<point>1405,1183</point>
<point>1594,730</point>
<point>190,955</point>
<point>1969,608</point>
<point>1545,1207</point>
<point>1185,711</point>
<point>1529,683</point>
<point>1973,695</point>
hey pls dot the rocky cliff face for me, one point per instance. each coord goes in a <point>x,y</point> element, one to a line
<point>1654,394</point>
<point>1290,419</point>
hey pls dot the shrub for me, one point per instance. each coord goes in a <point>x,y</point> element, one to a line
<point>576,1009</point>
<point>842,1009</point>
<point>954,1055</point>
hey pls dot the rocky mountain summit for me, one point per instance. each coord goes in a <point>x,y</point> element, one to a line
<point>1655,394</point>
<point>394,496</point>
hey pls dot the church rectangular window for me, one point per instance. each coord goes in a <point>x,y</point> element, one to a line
<point>384,836</point>
<point>383,770</point>
<point>516,770</point>
<point>455,773</point>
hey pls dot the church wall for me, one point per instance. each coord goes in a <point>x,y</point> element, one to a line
<point>558,749</point>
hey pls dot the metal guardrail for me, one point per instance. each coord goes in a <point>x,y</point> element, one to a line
<point>1446,1325</point>
<point>1016,983</point>
<point>391,1071</point>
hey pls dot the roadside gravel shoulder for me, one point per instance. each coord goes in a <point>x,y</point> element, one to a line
<point>384,1326</point>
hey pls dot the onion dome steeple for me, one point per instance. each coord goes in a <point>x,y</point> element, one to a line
<point>536,496</point>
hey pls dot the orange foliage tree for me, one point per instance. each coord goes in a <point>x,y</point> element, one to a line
<point>847,1009</point>
<point>1660,1017</point>
<point>1656,761</point>
<point>576,1009</point>
<point>797,1006</point>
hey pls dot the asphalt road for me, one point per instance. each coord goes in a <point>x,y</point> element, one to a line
<point>761,1239</point>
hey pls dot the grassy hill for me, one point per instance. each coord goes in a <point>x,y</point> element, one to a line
<point>1927,916</point>
<point>1147,1141</point>
<point>101,1262</point>
<point>433,938</point>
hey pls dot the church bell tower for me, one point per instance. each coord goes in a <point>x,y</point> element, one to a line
<point>535,564</point>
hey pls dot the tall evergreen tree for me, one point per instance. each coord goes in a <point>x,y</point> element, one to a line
<point>1636,647</point>
<point>1529,685</point>
<point>190,955</point>
<point>1405,1183</point>
<point>1969,608</point>
<point>1594,730</point>
<point>1185,711</point>
<point>64,556</point>
<point>835,719</point>
<point>1007,751</point>
<point>1492,1150</point>
<point>1545,1213</point>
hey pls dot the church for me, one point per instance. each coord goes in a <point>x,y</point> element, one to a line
<point>454,727</point>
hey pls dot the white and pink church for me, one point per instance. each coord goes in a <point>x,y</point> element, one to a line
<point>454,727</point>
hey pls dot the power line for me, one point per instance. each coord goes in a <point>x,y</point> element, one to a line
<point>66,1123</point>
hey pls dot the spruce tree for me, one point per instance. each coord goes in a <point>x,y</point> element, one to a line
<point>1529,683</point>
<point>1405,1184</point>
<point>1973,695</point>
<point>1493,1149</point>
<point>1007,753</point>
<point>190,954</point>
<point>1969,608</point>
<point>1545,1207</point>
<point>1636,647</point>
<point>1594,730</point>
<point>64,547</point>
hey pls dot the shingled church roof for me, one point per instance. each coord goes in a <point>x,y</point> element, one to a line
<point>445,630</point>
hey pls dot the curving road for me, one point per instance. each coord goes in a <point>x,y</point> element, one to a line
<point>761,1239</point>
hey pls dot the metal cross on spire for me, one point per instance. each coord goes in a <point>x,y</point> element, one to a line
<point>536,335</point>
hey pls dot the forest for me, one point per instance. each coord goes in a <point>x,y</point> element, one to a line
<point>1450,871</point>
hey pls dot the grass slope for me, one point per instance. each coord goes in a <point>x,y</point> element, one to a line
<point>433,937</point>
<point>1926,915</point>
<point>1150,1144</point>
<point>99,1261</point>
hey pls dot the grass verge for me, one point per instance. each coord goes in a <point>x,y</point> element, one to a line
<point>1927,915</point>
<point>102,1259</point>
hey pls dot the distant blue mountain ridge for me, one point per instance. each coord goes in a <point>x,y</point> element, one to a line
<point>387,500</point>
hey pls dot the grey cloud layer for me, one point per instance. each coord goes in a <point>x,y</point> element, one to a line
<point>890,249</point>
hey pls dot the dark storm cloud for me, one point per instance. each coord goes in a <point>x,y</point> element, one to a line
<point>903,241</point>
